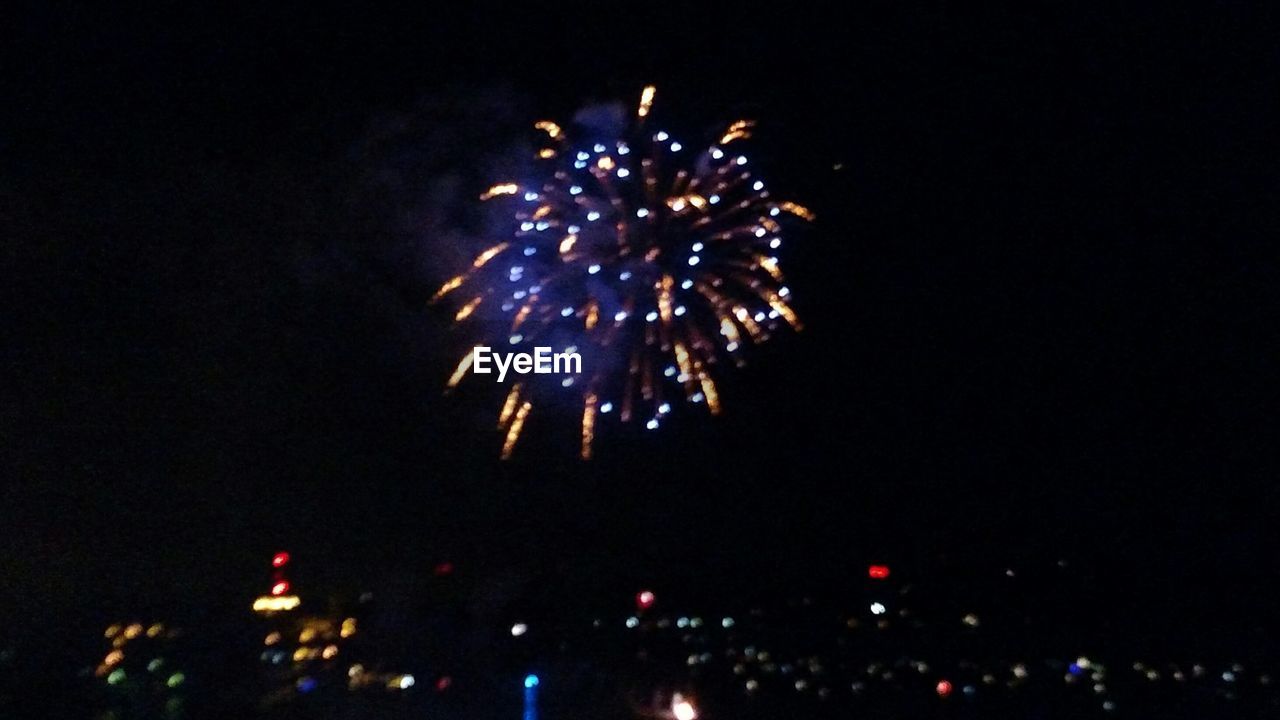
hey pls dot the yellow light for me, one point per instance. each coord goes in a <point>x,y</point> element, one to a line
<point>646,100</point>
<point>133,631</point>
<point>469,308</point>
<point>593,315</point>
<point>567,243</point>
<point>155,630</point>
<point>307,635</point>
<point>450,285</point>
<point>513,434</point>
<point>461,371</point>
<point>550,128</point>
<point>799,211</point>
<point>348,627</point>
<point>588,424</point>
<point>509,407</point>
<point>330,652</point>
<point>503,189</point>
<point>113,657</point>
<point>300,654</point>
<point>272,639</point>
<point>546,153</point>
<point>605,163</point>
<point>112,631</point>
<point>274,603</point>
<point>488,255</point>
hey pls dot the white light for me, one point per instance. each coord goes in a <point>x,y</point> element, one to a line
<point>574,189</point>
<point>661,136</point>
<point>598,148</point>
<point>574,229</point>
<point>682,709</point>
<point>516,338</point>
<point>693,260</point>
<point>531,196</point>
<point>731,346</point>
<point>406,682</point>
<point>567,382</point>
<point>583,155</point>
<point>566,312</point>
<point>759,317</point>
<point>697,247</point>
<point>760,232</point>
<point>652,424</point>
<point>579,164</point>
<point>775,243</point>
<point>686,284</point>
<point>623,172</point>
<point>784,291</point>
<point>642,212</point>
<point>742,160</point>
<point>773,212</point>
<point>633,621</point>
<point>676,147</point>
<point>773,314</point>
<point>519,629</point>
<point>651,316</point>
<point>624,275</point>
<point>519,294</point>
<point>543,225</point>
<point>758,185</point>
<point>529,251</point>
<point>623,149</point>
<point>620,316</point>
<point>664,408</point>
<point>535,289</point>
<point>669,371</point>
<point>507,306</point>
<point>526,226</point>
<point>607,407</point>
<point>877,608</point>
<point>696,397</point>
<point>680,311</point>
<point>592,270</point>
<point>717,153</point>
<point>593,216</point>
<point>713,199</point>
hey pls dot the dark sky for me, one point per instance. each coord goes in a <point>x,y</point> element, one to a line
<point>1040,298</point>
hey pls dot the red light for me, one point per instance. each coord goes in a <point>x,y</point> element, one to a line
<point>280,559</point>
<point>943,688</point>
<point>443,683</point>
<point>280,588</point>
<point>878,572</point>
<point>444,568</point>
<point>645,600</point>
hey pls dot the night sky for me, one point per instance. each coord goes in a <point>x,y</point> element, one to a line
<point>1040,301</point>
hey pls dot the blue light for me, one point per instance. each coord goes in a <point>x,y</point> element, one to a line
<point>593,269</point>
<point>583,156</point>
<point>531,196</point>
<point>598,148</point>
<point>529,251</point>
<point>642,212</point>
<point>306,684</point>
<point>566,312</point>
<point>593,216</point>
<point>607,407</point>
<point>1075,669</point>
<point>531,681</point>
<point>686,284</point>
<point>574,189</point>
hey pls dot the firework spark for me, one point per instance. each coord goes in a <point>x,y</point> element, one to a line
<point>654,261</point>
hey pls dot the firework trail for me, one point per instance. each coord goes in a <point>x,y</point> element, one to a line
<point>655,262</point>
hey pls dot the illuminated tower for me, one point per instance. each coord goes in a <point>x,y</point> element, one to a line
<point>280,599</point>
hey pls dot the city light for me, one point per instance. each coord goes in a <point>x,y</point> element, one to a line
<point>682,709</point>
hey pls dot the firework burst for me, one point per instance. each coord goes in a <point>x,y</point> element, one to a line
<point>657,263</point>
